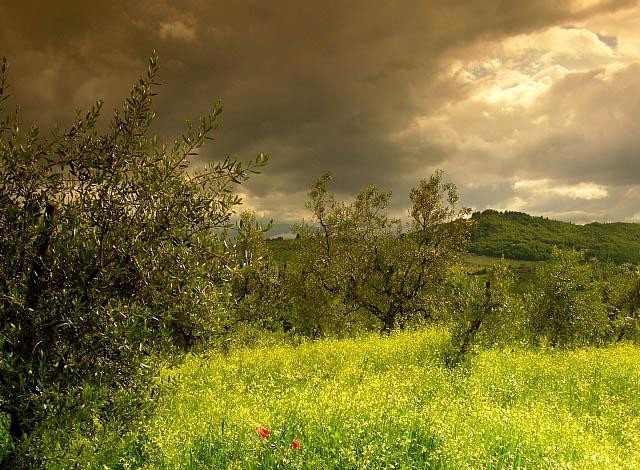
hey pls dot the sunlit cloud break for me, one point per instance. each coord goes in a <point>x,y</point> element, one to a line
<point>582,190</point>
<point>538,93</point>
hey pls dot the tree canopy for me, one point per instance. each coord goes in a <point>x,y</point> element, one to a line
<point>108,252</point>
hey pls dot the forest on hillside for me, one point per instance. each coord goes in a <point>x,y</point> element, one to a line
<point>521,236</point>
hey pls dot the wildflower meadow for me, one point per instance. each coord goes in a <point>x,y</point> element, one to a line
<point>393,402</point>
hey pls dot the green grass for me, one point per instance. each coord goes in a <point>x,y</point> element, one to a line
<point>486,261</point>
<point>392,403</point>
<point>283,251</point>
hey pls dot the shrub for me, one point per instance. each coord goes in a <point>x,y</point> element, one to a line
<point>565,304</point>
<point>486,310</point>
<point>257,283</point>
<point>619,289</point>
<point>103,237</point>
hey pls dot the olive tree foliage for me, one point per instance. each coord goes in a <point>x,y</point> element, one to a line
<point>376,264</point>
<point>257,283</point>
<point>486,310</point>
<point>620,293</point>
<point>565,303</point>
<point>317,309</point>
<point>107,254</point>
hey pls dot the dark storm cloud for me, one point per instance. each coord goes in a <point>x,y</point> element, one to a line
<point>320,86</point>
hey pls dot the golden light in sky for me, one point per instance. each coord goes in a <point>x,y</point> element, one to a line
<point>527,105</point>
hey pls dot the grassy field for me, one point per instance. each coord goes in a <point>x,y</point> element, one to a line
<point>486,261</point>
<point>285,250</point>
<point>392,403</point>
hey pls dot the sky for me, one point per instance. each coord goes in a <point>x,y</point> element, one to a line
<point>529,105</point>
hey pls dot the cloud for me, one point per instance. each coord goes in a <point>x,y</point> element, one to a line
<point>546,187</point>
<point>561,122</point>
<point>177,30</point>
<point>491,91</point>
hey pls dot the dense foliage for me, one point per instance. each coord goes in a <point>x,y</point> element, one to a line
<point>485,309</point>
<point>109,258</point>
<point>520,236</point>
<point>569,300</point>
<point>257,284</point>
<point>371,263</point>
<point>565,303</point>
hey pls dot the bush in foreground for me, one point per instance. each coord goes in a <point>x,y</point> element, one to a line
<point>105,243</point>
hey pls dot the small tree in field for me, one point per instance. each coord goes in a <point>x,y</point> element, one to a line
<point>485,309</point>
<point>565,304</point>
<point>357,252</point>
<point>620,293</point>
<point>104,246</point>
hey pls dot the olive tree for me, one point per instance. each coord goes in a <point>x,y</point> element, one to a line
<point>565,304</point>
<point>381,265</point>
<point>485,309</point>
<point>257,283</point>
<point>620,293</point>
<point>108,255</point>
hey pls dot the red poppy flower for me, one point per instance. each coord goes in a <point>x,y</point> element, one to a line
<point>262,432</point>
<point>295,444</point>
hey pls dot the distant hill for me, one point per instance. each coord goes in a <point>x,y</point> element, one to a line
<point>518,235</point>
